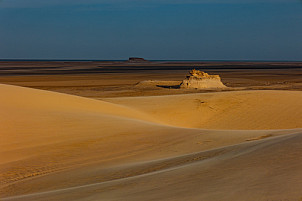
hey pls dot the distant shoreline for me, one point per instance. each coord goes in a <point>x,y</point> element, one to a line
<point>18,67</point>
<point>185,61</point>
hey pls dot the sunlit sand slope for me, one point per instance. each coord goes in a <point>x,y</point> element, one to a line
<point>259,170</point>
<point>224,110</point>
<point>61,147</point>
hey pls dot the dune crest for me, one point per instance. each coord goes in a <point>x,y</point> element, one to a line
<point>18,98</point>
<point>234,110</point>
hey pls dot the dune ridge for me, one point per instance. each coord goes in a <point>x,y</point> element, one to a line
<point>58,147</point>
<point>235,110</point>
<point>11,95</point>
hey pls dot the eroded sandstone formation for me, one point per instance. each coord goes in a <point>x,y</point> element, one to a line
<point>201,80</point>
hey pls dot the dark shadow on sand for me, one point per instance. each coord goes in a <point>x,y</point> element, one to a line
<point>169,86</point>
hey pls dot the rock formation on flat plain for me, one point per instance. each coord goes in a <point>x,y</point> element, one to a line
<point>201,80</point>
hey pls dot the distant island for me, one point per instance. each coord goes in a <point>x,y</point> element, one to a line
<point>137,59</point>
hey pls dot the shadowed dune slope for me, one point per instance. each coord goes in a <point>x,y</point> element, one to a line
<point>60,147</point>
<point>259,170</point>
<point>246,110</point>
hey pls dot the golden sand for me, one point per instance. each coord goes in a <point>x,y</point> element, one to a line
<point>239,145</point>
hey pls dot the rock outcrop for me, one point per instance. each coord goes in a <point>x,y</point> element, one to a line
<point>201,80</point>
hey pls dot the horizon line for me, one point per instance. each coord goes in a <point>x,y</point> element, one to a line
<point>156,60</point>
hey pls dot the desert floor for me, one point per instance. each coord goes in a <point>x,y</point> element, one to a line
<point>104,131</point>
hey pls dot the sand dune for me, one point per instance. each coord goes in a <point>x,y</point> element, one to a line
<point>243,110</point>
<point>61,147</point>
<point>260,170</point>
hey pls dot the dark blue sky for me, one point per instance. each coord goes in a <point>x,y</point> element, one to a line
<point>153,29</point>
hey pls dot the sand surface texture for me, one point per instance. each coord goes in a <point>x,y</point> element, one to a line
<point>238,145</point>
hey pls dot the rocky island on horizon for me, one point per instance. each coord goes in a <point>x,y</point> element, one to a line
<point>137,60</point>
